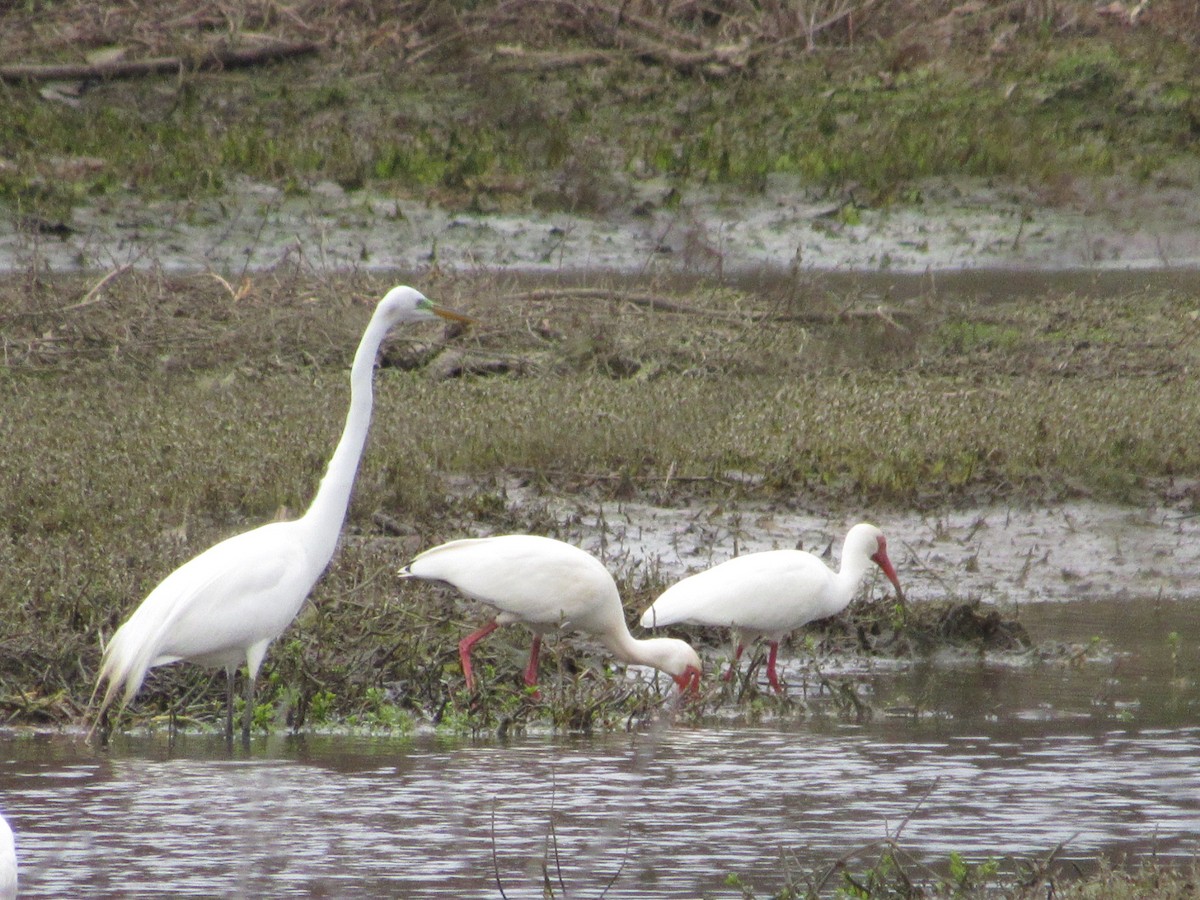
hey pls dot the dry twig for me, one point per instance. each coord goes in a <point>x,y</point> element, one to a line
<point>218,58</point>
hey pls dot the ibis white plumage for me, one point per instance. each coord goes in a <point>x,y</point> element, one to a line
<point>225,606</point>
<point>546,584</point>
<point>772,593</point>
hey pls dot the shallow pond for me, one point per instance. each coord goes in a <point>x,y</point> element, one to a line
<point>986,756</point>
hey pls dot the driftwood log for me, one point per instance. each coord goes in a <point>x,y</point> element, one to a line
<point>216,58</point>
<point>713,61</point>
<point>653,301</point>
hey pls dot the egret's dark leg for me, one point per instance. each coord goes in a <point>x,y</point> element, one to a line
<point>248,713</point>
<point>230,673</point>
<point>104,727</point>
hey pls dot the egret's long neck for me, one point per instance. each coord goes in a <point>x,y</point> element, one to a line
<point>328,509</point>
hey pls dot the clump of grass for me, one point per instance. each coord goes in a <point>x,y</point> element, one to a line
<point>973,337</point>
<point>885,868</point>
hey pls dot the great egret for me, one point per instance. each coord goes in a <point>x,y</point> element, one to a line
<point>546,584</point>
<point>8,862</point>
<point>771,593</point>
<point>226,605</point>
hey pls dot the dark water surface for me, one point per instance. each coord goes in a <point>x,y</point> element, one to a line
<point>984,757</point>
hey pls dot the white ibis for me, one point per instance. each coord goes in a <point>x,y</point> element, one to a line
<point>546,584</point>
<point>225,606</point>
<point>771,593</point>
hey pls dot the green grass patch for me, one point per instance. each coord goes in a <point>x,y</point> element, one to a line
<point>460,127</point>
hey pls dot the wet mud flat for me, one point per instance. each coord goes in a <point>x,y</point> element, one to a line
<point>1008,555</point>
<point>960,224</point>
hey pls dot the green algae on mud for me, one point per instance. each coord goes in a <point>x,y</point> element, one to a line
<point>165,413</point>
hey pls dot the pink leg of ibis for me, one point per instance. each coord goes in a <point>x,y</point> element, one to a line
<point>531,669</point>
<point>464,650</point>
<point>737,655</point>
<point>771,676</point>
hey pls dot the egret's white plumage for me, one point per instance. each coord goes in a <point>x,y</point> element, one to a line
<point>545,584</point>
<point>8,862</point>
<point>226,605</point>
<point>772,593</point>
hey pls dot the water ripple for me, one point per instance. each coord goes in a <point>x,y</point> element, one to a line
<point>679,810</point>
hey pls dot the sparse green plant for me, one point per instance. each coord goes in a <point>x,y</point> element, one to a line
<point>885,869</point>
<point>263,719</point>
<point>1173,645</point>
<point>320,708</point>
<point>972,337</point>
<point>381,713</point>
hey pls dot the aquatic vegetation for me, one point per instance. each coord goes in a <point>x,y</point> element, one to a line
<point>885,869</point>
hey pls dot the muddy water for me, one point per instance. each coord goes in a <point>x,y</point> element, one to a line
<point>986,756</point>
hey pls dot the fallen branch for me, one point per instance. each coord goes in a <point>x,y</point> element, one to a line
<point>887,316</point>
<point>717,61</point>
<point>650,40</point>
<point>653,301</point>
<point>511,58</point>
<point>91,296</point>
<point>597,477</point>
<point>650,301</point>
<point>217,58</point>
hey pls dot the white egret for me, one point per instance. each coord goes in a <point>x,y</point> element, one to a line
<point>772,593</point>
<point>546,584</point>
<point>225,606</point>
<point>8,862</point>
